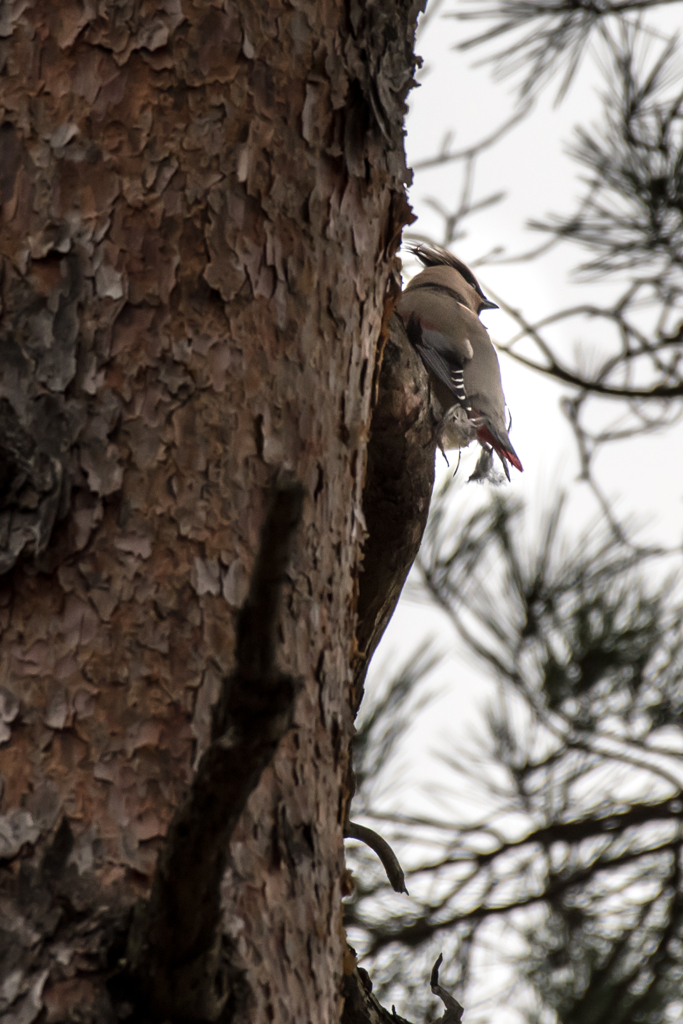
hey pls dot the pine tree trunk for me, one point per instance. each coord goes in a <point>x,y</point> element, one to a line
<point>201,206</point>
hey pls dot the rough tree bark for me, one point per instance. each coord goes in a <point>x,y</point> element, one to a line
<point>398,487</point>
<point>201,203</point>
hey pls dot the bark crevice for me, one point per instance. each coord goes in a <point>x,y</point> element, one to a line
<point>178,959</point>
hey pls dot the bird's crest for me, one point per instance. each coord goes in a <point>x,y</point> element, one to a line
<point>437,256</point>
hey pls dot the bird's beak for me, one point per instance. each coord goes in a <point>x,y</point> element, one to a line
<point>487,304</point>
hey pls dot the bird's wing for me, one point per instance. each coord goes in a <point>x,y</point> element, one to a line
<point>449,322</point>
<point>438,358</point>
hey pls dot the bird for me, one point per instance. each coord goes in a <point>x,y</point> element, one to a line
<point>440,309</point>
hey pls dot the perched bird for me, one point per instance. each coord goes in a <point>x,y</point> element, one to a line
<point>440,308</point>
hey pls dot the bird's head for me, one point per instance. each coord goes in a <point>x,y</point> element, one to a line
<point>444,270</point>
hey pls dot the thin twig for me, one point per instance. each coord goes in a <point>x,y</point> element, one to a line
<point>381,847</point>
<point>454,1010</point>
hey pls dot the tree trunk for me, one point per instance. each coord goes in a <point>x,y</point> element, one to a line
<point>201,206</point>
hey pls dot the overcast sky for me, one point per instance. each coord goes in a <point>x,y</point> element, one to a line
<point>531,165</point>
<point>644,476</point>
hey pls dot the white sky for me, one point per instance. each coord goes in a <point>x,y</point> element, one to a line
<point>531,165</point>
<point>644,476</point>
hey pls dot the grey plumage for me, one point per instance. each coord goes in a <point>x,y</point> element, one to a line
<point>442,306</point>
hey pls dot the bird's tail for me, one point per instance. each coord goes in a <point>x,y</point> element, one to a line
<point>500,442</point>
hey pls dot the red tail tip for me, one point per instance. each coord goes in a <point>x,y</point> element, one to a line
<point>506,451</point>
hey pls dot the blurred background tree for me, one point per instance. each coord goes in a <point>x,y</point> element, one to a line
<point>550,875</point>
